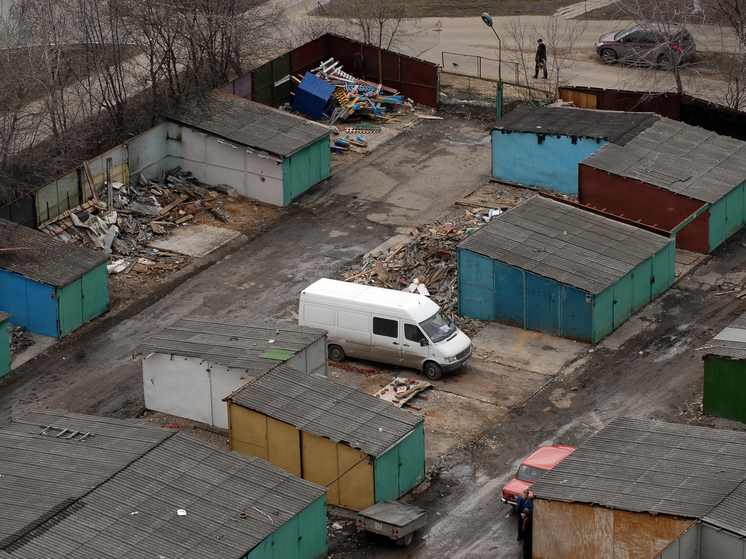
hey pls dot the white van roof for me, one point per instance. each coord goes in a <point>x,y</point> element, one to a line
<point>416,306</point>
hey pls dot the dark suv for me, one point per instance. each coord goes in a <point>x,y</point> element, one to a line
<point>663,45</point>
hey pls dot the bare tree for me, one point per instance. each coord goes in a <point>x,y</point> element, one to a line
<point>561,38</point>
<point>378,21</point>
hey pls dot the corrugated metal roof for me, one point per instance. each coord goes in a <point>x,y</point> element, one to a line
<point>4,316</point>
<point>42,258</point>
<point>648,466</point>
<point>134,513</point>
<point>730,513</point>
<point>43,473</point>
<point>730,342</point>
<point>614,126</point>
<point>250,124</point>
<point>680,158</point>
<point>565,243</point>
<point>230,342</point>
<point>327,408</point>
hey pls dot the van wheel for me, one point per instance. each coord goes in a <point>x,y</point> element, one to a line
<point>336,353</point>
<point>432,371</point>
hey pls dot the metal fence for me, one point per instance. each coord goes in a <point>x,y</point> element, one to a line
<point>480,67</point>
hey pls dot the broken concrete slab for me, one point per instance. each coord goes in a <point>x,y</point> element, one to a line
<point>194,240</point>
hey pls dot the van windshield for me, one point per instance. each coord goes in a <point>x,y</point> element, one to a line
<point>438,327</point>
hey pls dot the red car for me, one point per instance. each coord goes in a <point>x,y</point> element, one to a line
<point>539,462</point>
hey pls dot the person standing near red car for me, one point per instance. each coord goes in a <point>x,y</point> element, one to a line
<point>524,502</point>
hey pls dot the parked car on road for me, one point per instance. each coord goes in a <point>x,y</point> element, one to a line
<point>658,44</point>
<point>536,464</point>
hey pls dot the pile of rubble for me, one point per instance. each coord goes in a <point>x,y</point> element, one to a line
<point>350,97</point>
<point>140,213</point>
<point>20,339</point>
<point>426,263</point>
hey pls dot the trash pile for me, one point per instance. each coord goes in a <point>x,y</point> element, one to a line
<point>141,212</point>
<point>20,339</point>
<point>329,94</point>
<point>426,264</point>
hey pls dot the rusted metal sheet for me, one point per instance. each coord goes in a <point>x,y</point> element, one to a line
<point>637,201</point>
<point>685,108</point>
<point>583,531</point>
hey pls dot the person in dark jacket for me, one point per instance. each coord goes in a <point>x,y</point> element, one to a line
<point>524,501</point>
<point>528,532</point>
<point>541,59</point>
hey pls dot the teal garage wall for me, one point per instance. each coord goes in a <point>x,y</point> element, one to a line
<point>520,158</point>
<point>402,467</point>
<point>301,537</point>
<point>305,168</point>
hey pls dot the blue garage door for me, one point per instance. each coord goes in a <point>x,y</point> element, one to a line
<point>542,305</point>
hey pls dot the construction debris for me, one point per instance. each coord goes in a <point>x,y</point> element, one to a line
<point>426,263</point>
<point>141,211</point>
<point>329,94</point>
<point>20,339</point>
<point>401,390</point>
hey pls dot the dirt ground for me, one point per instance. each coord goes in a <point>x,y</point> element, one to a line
<point>246,216</point>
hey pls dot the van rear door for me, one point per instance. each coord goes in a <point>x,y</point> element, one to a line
<point>385,341</point>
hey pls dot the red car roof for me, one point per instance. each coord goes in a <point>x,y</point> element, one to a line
<point>547,457</point>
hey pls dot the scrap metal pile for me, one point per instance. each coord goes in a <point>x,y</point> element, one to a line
<point>141,212</point>
<point>350,96</point>
<point>426,263</point>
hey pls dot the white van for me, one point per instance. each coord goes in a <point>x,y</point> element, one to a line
<point>384,325</point>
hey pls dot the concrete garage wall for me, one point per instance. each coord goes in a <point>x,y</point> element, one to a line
<point>600,532</point>
<point>312,359</point>
<point>155,149</point>
<point>538,160</point>
<point>703,541</point>
<point>189,387</point>
<point>216,161</point>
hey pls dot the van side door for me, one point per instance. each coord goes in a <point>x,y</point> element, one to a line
<point>385,342</point>
<point>413,352</point>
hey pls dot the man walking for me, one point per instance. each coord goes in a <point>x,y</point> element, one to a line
<point>541,59</point>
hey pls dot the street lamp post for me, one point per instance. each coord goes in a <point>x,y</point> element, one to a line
<point>487,19</point>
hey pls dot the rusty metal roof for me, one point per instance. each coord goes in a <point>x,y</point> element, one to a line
<point>648,466</point>
<point>683,159</point>
<point>250,124</point>
<point>565,243</point>
<point>41,258</point>
<point>613,126</point>
<point>117,493</point>
<point>327,408</point>
<point>234,343</point>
